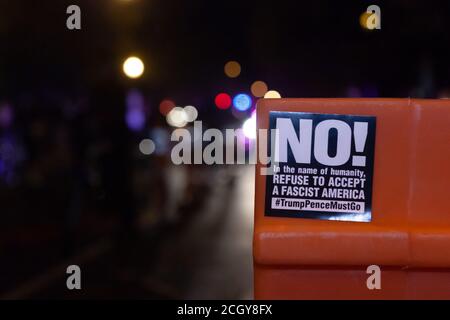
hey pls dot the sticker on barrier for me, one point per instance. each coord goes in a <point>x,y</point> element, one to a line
<point>322,166</point>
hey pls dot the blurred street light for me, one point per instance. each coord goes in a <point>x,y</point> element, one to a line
<point>146,146</point>
<point>232,69</point>
<point>177,117</point>
<point>191,113</point>
<point>249,127</point>
<point>259,88</point>
<point>165,106</point>
<point>133,67</point>
<point>272,94</point>
<point>222,101</point>
<point>242,102</point>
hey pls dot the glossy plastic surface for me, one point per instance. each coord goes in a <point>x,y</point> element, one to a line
<point>409,236</point>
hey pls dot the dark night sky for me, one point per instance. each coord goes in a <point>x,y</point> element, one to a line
<point>303,49</point>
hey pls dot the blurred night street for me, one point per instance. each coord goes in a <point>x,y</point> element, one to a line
<point>205,257</point>
<point>128,129</point>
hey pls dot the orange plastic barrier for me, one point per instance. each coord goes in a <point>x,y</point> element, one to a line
<point>409,234</point>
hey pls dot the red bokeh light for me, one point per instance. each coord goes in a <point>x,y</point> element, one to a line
<point>223,101</point>
<point>165,106</point>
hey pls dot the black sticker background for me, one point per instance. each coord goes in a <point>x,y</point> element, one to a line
<point>368,169</point>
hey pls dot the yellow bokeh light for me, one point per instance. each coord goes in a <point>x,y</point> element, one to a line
<point>133,67</point>
<point>363,20</point>
<point>272,94</point>
<point>232,69</point>
<point>259,88</point>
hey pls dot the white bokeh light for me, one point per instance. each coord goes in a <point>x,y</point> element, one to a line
<point>177,117</point>
<point>249,127</point>
<point>133,67</point>
<point>191,113</point>
<point>146,146</point>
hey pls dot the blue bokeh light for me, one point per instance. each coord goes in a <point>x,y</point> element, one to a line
<point>242,102</point>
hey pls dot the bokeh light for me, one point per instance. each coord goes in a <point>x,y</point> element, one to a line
<point>161,137</point>
<point>191,113</point>
<point>177,117</point>
<point>165,106</point>
<point>223,101</point>
<point>133,67</point>
<point>232,69</point>
<point>242,102</point>
<point>249,127</point>
<point>146,146</point>
<point>259,88</point>
<point>272,94</point>
<point>135,116</point>
<point>363,19</point>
